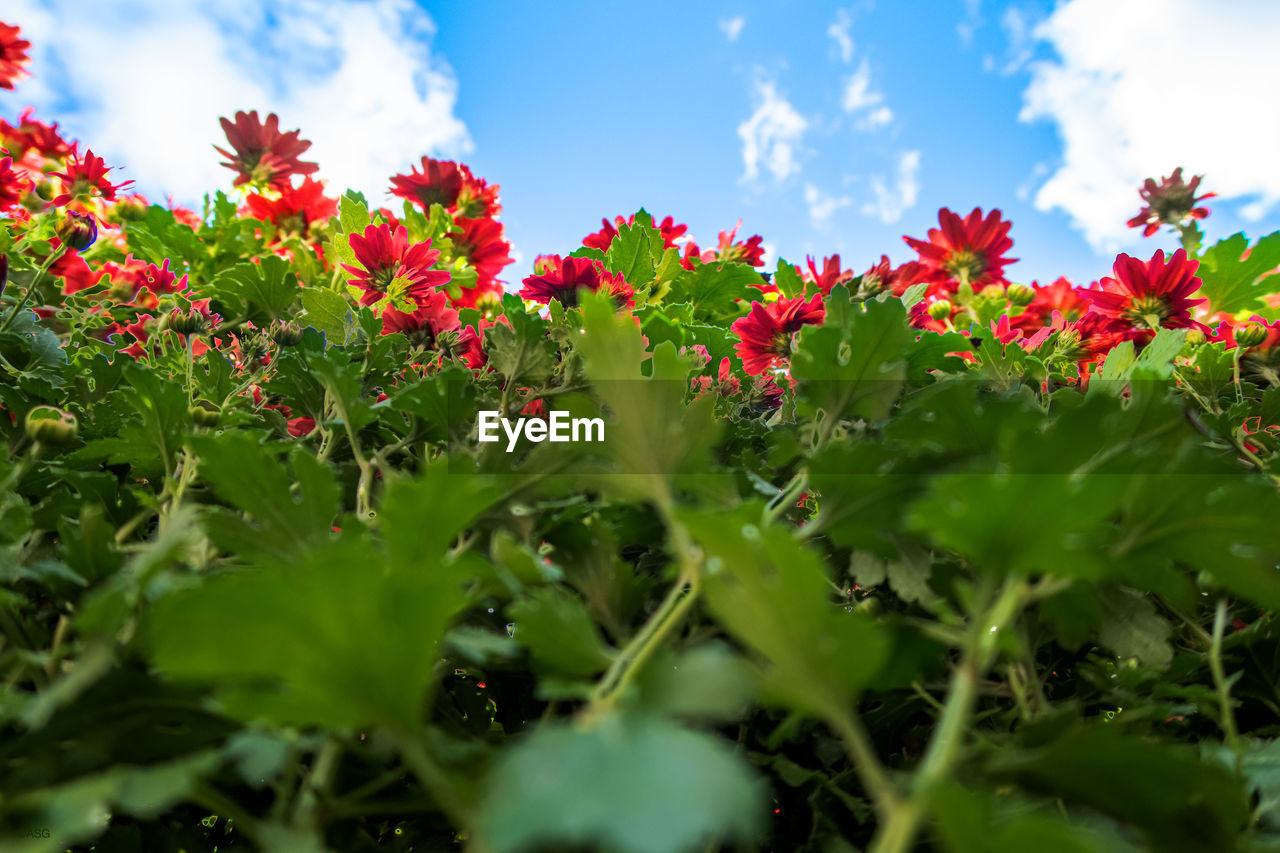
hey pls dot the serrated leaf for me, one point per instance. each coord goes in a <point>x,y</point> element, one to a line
<point>327,311</point>
<point>266,288</point>
<point>1231,282</point>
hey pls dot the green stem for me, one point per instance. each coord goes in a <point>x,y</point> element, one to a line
<point>898,834</point>
<point>1228,714</point>
<point>866,763</point>
<point>434,779</point>
<point>31,288</point>
<point>316,783</point>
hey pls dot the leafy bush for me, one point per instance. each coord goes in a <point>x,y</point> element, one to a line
<point>918,557</point>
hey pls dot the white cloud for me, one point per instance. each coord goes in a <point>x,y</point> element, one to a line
<point>1124,112</point>
<point>860,97</point>
<point>357,78</point>
<point>972,21</point>
<point>891,201</point>
<point>732,27</point>
<point>838,30</point>
<point>822,206</point>
<point>772,135</point>
<point>1018,25</point>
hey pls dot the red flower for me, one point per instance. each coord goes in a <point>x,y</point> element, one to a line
<point>749,252</point>
<point>1148,296</point>
<point>13,55</point>
<point>481,242</point>
<point>263,155</point>
<point>884,276</point>
<point>725,384</point>
<point>471,348</point>
<point>1059,296</point>
<point>601,239</point>
<point>831,274</point>
<point>969,250</point>
<point>385,256</point>
<point>424,325</point>
<point>138,329</point>
<point>450,184</point>
<point>31,134</point>
<point>159,280</point>
<point>295,209</point>
<point>1169,203</point>
<point>13,186</point>
<point>566,276</point>
<point>85,176</point>
<point>301,427</point>
<point>75,273</point>
<point>1226,331</point>
<point>1003,332</point>
<point>764,335</point>
<point>1085,341</point>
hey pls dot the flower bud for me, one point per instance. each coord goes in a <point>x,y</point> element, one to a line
<point>1250,335</point>
<point>50,426</point>
<point>204,414</point>
<point>78,230</point>
<point>188,322</point>
<point>939,310</point>
<point>1020,294</point>
<point>286,334</point>
<point>1194,336</point>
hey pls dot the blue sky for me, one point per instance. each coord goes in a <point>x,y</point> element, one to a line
<point>824,126</point>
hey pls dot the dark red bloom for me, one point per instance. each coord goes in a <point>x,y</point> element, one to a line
<point>1148,296</point>
<point>424,325</point>
<point>159,281</point>
<point>831,274</point>
<point>31,134</point>
<point>85,178</point>
<point>301,427</point>
<point>386,256</point>
<point>969,250</point>
<point>732,250</point>
<point>262,154</point>
<point>566,276</point>
<point>75,273</point>
<point>1059,296</point>
<point>13,186</point>
<point>13,55</point>
<point>296,208</point>
<point>1170,202</point>
<point>450,184</point>
<point>601,239</point>
<point>765,335</point>
<point>471,348</point>
<point>482,243</point>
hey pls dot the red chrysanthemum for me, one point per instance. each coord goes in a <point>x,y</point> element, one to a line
<point>385,256</point>
<point>86,178</point>
<point>764,335</point>
<point>564,277</point>
<point>601,239</point>
<point>13,186</point>
<point>13,55</point>
<point>482,243</point>
<point>830,276</point>
<point>1059,296</point>
<point>449,184</point>
<point>1148,296</point>
<point>1170,202</point>
<point>1086,341</point>
<point>969,250</point>
<point>471,348</point>
<point>730,249</point>
<point>296,208</point>
<point>75,273</point>
<point>262,154</point>
<point>885,276</point>
<point>30,134</point>
<point>424,325</point>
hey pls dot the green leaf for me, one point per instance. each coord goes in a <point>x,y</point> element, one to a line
<point>787,280</point>
<point>1231,283</point>
<point>854,364</point>
<point>773,595</point>
<point>266,288</point>
<point>714,289</point>
<point>632,785</point>
<point>1131,627</point>
<point>340,638</point>
<point>636,251</point>
<point>327,311</point>
<point>248,476</point>
<point>353,213</point>
<point>553,624</point>
<point>520,350</point>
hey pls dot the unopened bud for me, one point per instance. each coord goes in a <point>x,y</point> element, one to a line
<point>939,310</point>
<point>1250,335</point>
<point>188,322</point>
<point>50,426</point>
<point>78,230</point>
<point>286,334</point>
<point>1020,294</point>
<point>204,413</point>
<point>1194,336</point>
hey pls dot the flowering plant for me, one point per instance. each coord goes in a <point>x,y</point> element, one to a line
<point>917,557</point>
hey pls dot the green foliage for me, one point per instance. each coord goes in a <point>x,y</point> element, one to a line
<point>1232,282</point>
